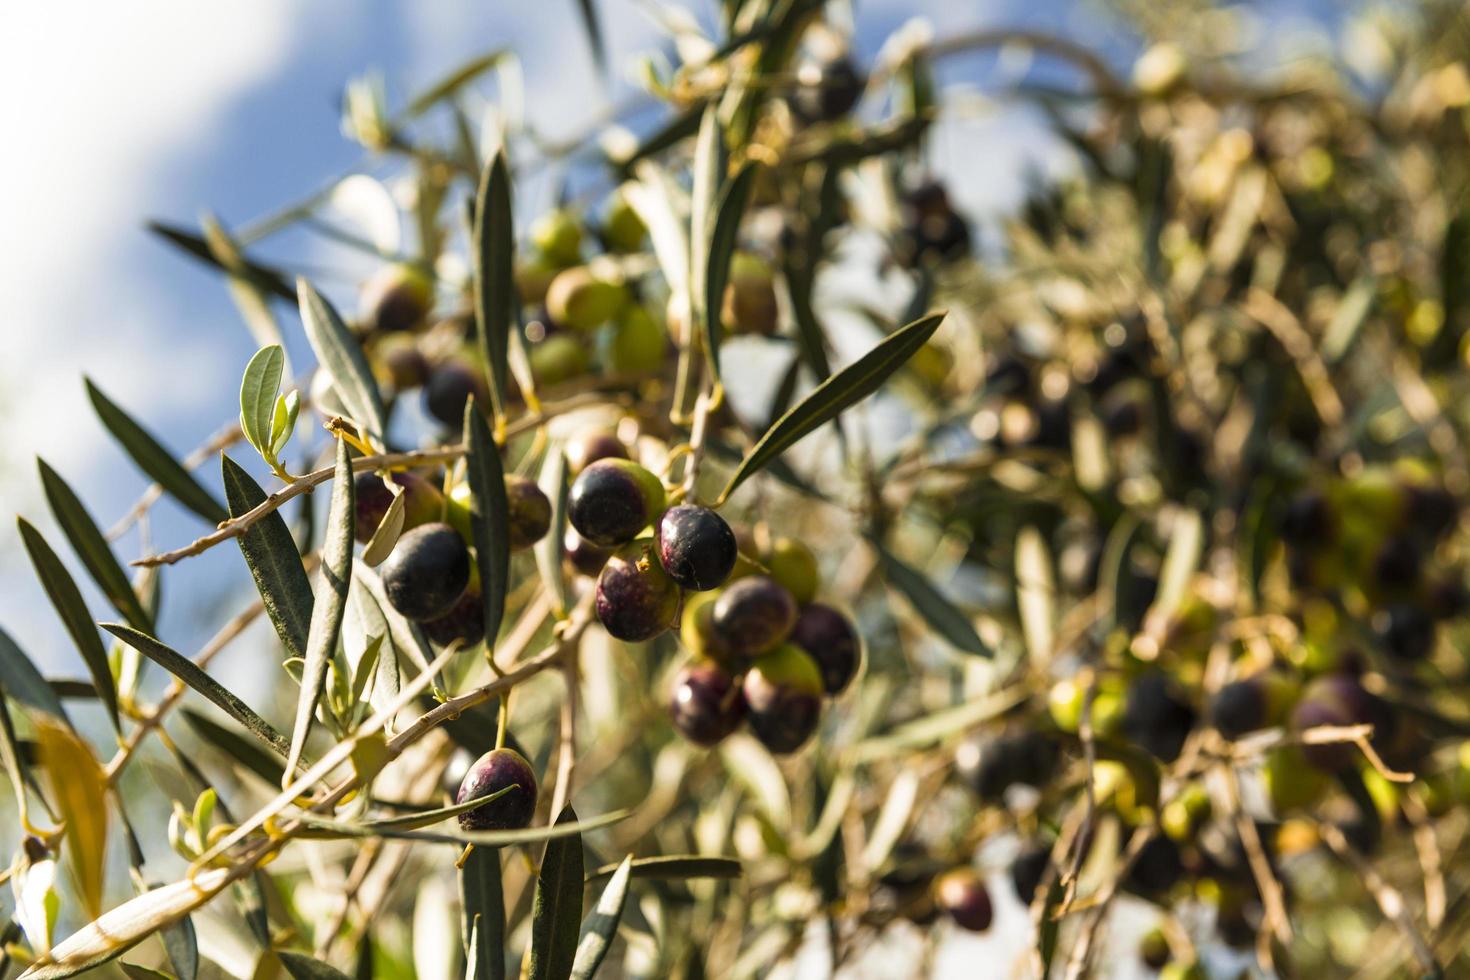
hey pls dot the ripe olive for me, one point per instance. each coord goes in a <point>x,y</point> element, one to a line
<point>491,773</point>
<point>696,547</point>
<point>613,500</point>
<point>636,600</point>
<point>427,571</point>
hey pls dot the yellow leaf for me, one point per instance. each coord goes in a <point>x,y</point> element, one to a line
<point>79,788</point>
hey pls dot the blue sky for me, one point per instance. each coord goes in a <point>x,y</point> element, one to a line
<point>120,113</point>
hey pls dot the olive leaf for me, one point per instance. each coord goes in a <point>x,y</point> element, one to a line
<point>258,402</point>
<point>194,676</point>
<point>269,767</point>
<point>250,298</point>
<point>153,459</point>
<point>62,590</point>
<point>337,829</point>
<point>495,290</point>
<point>137,972</point>
<point>941,614</point>
<point>602,925</point>
<point>728,214</point>
<point>330,602</point>
<point>303,967</point>
<point>274,562</point>
<point>556,916</point>
<point>20,679</point>
<point>453,82</point>
<point>845,388</point>
<point>283,421</point>
<point>271,280</point>
<point>181,944</point>
<point>79,789</point>
<point>590,24</point>
<point>340,355</point>
<point>92,548</point>
<point>482,907</point>
<point>386,534</point>
<point>708,176</point>
<point>489,518</point>
<point>674,866</point>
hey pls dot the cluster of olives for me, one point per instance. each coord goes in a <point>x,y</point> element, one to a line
<point>764,651</point>
<point>429,576</point>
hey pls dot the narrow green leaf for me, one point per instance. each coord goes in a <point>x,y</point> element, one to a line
<point>556,916</point>
<point>482,907</point>
<point>489,518</point>
<point>590,24</point>
<point>844,389</point>
<point>550,548</point>
<point>330,602</point>
<point>258,389</point>
<point>676,130</point>
<point>723,237</point>
<point>274,562</point>
<point>193,675</point>
<point>494,247</point>
<point>303,967</point>
<point>602,925</point>
<point>136,972</point>
<point>92,548</point>
<point>67,599</point>
<point>453,82</point>
<point>331,829</point>
<point>153,459</point>
<point>249,295</point>
<point>269,767</point>
<point>13,758</point>
<point>675,866</point>
<point>283,420</point>
<point>948,621</point>
<point>341,357</point>
<point>708,176</point>
<point>22,681</point>
<point>182,946</point>
<point>271,280</point>
<point>427,818</point>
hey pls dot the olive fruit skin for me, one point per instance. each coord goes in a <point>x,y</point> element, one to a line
<point>638,343</point>
<point>585,557</point>
<point>492,772</point>
<point>558,359</point>
<point>623,230</point>
<point>961,895</point>
<point>830,639</point>
<point>992,765</point>
<point>1028,869</point>
<point>749,305</point>
<point>1249,705</point>
<point>427,571</point>
<point>558,237</point>
<point>398,363</point>
<point>1333,699</point>
<point>422,502</point>
<point>754,614</point>
<point>696,547</point>
<point>578,300</point>
<point>398,297</point>
<point>936,232</point>
<point>1156,718</point>
<point>1291,783</point>
<point>697,631</point>
<point>827,90</point>
<point>707,703</point>
<point>613,500</point>
<point>464,622</point>
<point>794,566</point>
<point>1406,632</point>
<point>783,692</point>
<point>1158,868</point>
<point>449,386</point>
<point>588,448</point>
<point>530,512</point>
<point>636,600</point>
<point>1153,950</point>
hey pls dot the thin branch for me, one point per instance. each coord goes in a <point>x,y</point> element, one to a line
<point>1389,899</point>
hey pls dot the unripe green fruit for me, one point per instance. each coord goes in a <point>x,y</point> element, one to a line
<point>697,631</point>
<point>750,297</point>
<point>1067,698</point>
<point>397,297</point>
<point>578,300</point>
<point>530,512</point>
<point>783,692</point>
<point>613,500</point>
<point>491,773</point>
<point>533,278</point>
<point>557,359</point>
<point>961,895</point>
<point>422,502</point>
<point>793,565</point>
<point>1179,970</point>
<point>557,235</point>
<point>1186,813</point>
<point>636,600</point>
<point>1291,784</point>
<point>623,230</point>
<point>1153,949</point>
<point>638,343</point>
<point>427,572</point>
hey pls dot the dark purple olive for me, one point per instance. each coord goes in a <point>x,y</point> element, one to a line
<point>491,773</point>
<point>448,388</point>
<point>613,500</point>
<point>707,702</point>
<point>753,615</point>
<point>636,600</point>
<point>530,512</point>
<point>584,556</point>
<point>1156,717</point>
<point>961,895</point>
<point>422,502</point>
<point>829,637</point>
<point>696,547</point>
<point>584,450</point>
<point>427,572</point>
<point>464,623</point>
<point>1406,631</point>
<point>783,693</point>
